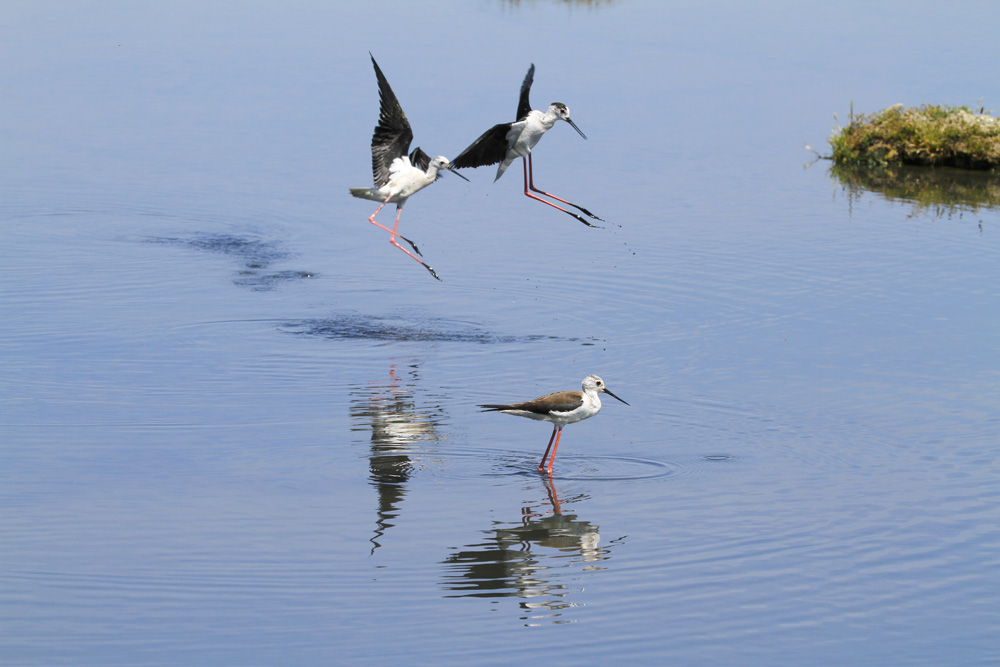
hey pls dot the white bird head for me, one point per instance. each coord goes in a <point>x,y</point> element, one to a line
<point>561,111</point>
<point>441,162</point>
<point>594,383</point>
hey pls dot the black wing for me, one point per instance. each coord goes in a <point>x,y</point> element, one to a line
<point>420,159</point>
<point>523,105</point>
<point>560,401</point>
<point>392,134</point>
<point>489,148</point>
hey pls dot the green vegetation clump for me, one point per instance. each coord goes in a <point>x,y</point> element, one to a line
<point>928,135</point>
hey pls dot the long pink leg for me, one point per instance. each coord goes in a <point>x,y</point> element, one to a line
<point>554,448</point>
<point>556,433</point>
<point>393,234</point>
<point>529,184</point>
<point>541,466</point>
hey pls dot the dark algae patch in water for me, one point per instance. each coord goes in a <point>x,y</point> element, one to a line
<point>929,135</point>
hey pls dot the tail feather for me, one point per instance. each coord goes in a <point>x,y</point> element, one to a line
<point>363,193</point>
<point>502,168</point>
<point>493,407</point>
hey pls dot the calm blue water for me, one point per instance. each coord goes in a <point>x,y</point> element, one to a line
<point>238,427</point>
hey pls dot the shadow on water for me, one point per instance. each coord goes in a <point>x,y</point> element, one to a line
<point>257,255</point>
<point>399,328</point>
<point>527,558</point>
<point>398,424</point>
<point>943,192</point>
<point>254,255</point>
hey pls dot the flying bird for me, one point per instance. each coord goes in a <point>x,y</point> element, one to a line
<point>559,409</point>
<point>398,176</point>
<point>505,142</point>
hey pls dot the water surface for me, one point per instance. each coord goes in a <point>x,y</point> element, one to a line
<point>238,427</point>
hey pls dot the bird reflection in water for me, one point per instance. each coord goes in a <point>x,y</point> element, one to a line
<point>399,426</point>
<point>530,560</point>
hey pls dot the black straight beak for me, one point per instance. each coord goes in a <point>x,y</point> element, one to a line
<point>606,391</point>
<point>584,136</point>
<point>452,170</point>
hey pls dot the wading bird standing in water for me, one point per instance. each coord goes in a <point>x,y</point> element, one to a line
<point>559,409</point>
<point>398,176</point>
<point>504,142</point>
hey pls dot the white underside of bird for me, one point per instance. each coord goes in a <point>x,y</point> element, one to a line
<point>524,135</point>
<point>405,180</point>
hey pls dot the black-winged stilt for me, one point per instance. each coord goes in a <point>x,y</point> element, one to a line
<point>559,409</point>
<point>504,142</point>
<point>398,176</point>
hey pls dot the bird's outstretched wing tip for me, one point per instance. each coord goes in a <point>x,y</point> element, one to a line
<point>523,105</point>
